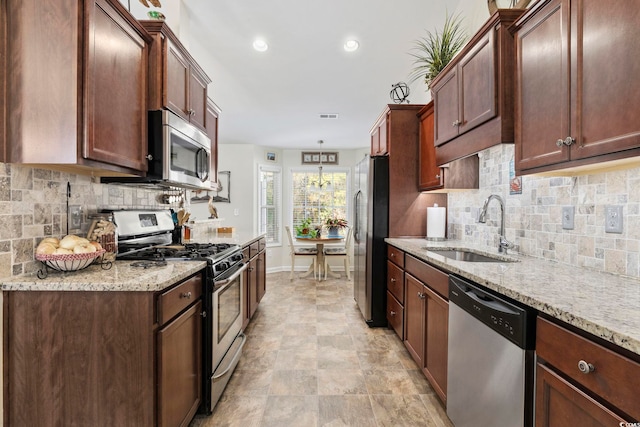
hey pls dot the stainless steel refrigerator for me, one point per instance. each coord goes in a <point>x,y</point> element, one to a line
<point>371,226</point>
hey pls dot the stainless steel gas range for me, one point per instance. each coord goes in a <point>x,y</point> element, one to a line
<point>144,237</point>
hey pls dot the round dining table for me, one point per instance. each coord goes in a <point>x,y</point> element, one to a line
<point>320,242</point>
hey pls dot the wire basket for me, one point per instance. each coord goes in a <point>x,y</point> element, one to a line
<point>69,262</point>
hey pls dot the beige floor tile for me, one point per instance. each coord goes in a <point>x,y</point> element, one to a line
<point>310,359</point>
<point>341,382</point>
<point>352,411</point>
<point>294,382</point>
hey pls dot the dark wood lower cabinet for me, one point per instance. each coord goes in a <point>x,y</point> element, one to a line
<point>560,404</point>
<point>255,279</point>
<point>102,358</point>
<point>180,368</point>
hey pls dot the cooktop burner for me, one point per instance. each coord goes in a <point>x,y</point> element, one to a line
<point>209,252</point>
<point>148,264</point>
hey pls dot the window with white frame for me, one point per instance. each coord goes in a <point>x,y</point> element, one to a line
<point>319,195</point>
<point>270,203</point>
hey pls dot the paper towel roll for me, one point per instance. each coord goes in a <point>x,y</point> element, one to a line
<point>436,222</point>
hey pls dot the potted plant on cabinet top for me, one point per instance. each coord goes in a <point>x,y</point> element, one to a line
<point>434,51</point>
<point>335,225</point>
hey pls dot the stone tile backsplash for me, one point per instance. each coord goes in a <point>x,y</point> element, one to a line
<point>533,219</point>
<point>33,205</point>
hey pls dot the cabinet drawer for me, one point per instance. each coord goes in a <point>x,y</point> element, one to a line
<point>395,315</point>
<point>613,373</point>
<point>262,244</point>
<point>395,281</point>
<point>254,248</point>
<point>177,299</point>
<point>395,255</point>
<point>246,254</point>
<point>430,276</point>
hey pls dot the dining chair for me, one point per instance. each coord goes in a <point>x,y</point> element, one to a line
<point>301,252</point>
<point>339,252</point>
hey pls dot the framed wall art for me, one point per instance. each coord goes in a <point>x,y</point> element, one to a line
<point>314,158</point>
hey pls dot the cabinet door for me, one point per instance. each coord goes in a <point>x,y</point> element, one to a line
<point>212,133</point>
<point>430,175</point>
<point>395,315</point>
<point>180,368</point>
<point>383,143</point>
<point>477,84</point>
<point>436,342</point>
<point>445,101</point>
<point>197,99</point>
<point>178,79</point>
<point>379,139</point>
<point>559,404</point>
<point>605,97</point>
<point>542,87</point>
<point>414,304</point>
<point>253,286</point>
<point>246,310</point>
<point>261,282</point>
<point>115,80</point>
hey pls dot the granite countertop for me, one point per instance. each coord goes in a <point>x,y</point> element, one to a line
<point>602,304</point>
<point>120,277</point>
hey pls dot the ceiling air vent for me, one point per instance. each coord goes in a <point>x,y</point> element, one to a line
<point>328,115</point>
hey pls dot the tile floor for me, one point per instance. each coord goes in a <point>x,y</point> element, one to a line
<point>310,360</point>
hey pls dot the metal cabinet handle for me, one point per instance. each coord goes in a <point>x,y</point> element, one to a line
<point>393,313</point>
<point>392,254</point>
<point>191,112</point>
<point>456,123</point>
<point>203,314</point>
<point>438,176</point>
<point>568,141</point>
<point>393,280</point>
<point>186,295</point>
<point>585,367</point>
<point>149,157</point>
<point>421,295</point>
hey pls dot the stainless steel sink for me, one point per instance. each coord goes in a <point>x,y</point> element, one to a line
<point>469,256</point>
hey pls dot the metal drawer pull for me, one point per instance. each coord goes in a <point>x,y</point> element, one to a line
<point>186,295</point>
<point>421,295</point>
<point>393,313</point>
<point>585,367</point>
<point>559,143</point>
<point>393,279</point>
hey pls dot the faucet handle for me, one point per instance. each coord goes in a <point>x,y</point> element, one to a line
<point>505,244</point>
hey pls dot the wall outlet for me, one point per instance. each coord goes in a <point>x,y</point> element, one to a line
<point>236,211</point>
<point>568,216</point>
<point>75,216</point>
<point>613,219</point>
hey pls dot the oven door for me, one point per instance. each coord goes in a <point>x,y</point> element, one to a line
<point>227,340</point>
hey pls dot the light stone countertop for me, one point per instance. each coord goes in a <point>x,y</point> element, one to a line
<point>120,277</point>
<point>602,304</point>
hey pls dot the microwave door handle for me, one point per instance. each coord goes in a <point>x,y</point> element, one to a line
<point>202,158</point>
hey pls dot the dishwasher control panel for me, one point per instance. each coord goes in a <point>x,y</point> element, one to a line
<point>516,323</point>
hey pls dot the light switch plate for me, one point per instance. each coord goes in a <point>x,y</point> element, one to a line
<point>613,219</point>
<point>75,216</point>
<point>568,216</point>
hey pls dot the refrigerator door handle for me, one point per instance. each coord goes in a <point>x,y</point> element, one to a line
<point>356,231</point>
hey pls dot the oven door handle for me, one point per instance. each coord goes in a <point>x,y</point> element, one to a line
<point>230,366</point>
<point>222,283</point>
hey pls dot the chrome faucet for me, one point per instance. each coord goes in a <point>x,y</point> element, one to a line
<point>504,243</point>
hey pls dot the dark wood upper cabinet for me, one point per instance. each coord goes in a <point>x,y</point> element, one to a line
<point>576,103</point>
<point>458,174</point>
<point>176,80</point>
<point>213,115</point>
<point>407,205</point>
<point>473,95</point>
<point>74,101</point>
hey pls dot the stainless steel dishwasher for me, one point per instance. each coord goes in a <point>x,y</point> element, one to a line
<point>490,372</point>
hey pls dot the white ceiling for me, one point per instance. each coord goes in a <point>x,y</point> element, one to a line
<point>274,98</point>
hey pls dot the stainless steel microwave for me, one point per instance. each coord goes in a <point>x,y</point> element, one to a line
<point>179,154</point>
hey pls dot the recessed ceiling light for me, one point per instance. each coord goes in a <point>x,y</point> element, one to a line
<point>260,45</point>
<point>351,45</point>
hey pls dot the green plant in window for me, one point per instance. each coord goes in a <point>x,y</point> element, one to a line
<point>304,228</point>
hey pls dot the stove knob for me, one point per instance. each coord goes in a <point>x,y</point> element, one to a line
<point>221,266</point>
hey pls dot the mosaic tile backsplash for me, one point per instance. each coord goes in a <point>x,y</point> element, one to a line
<point>533,219</point>
<point>33,205</point>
